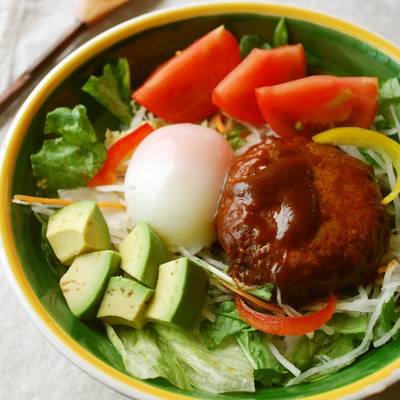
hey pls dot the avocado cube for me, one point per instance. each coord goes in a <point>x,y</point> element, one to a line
<point>76,229</point>
<point>84,283</point>
<point>142,251</point>
<point>124,302</point>
<point>180,294</point>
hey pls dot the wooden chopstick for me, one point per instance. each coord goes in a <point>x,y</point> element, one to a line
<point>88,13</point>
<point>20,83</point>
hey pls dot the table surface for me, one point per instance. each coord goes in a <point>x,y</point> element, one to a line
<point>30,368</point>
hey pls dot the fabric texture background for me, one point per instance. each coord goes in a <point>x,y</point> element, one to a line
<point>30,368</point>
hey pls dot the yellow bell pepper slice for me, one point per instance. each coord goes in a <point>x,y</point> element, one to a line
<point>369,140</point>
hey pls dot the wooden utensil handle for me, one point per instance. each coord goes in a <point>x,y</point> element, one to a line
<point>17,86</point>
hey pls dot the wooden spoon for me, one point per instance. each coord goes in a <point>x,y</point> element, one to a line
<point>88,13</point>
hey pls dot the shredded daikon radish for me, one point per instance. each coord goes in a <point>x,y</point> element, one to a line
<point>385,295</point>
<point>218,264</point>
<point>41,208</point>
<point>352,151</point>
<point>366,306</point>
<point>376,157</point>
<point>111,188</point>
<point>138,119</point>
<point>220,299</point>
<point>215,271</point>
<point>282,360</point>
<point>257,135</point>
<point>207,314</point>
<point>221,288</point>
<point>288,310</point>
<point>86,193</point>
<point>363,292</point>
<point>327,330</point>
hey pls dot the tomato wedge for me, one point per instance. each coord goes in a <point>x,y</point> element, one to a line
<point>116,153</point>
<point>313,104</point>
<point>180,90</point>
<point>288,326</point>
<point>235,94</point>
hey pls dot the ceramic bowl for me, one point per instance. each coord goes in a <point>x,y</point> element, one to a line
<point>147,41</point>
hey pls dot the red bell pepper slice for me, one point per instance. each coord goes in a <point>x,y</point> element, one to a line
<point>116,153</point>
<point>289,326</point>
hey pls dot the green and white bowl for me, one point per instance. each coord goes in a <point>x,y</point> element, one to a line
<point>147,41</point>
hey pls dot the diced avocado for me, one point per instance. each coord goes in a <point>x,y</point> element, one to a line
<point>180,294</point>
<point>124,302</point>
<point>84,283</point>
<point>77,229</point>
<point>142,251</point>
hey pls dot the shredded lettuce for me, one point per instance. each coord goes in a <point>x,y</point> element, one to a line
<point>113,89</point>
<point>281,34</point>
<point>160,351</point>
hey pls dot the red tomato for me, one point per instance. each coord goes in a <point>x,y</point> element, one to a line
<point>235,94</point>
<point>280,325</point>
<point>310,105</point>
<point>180,90</point>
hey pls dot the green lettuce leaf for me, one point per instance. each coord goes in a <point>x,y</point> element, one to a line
<point>281,34</point>
<point>305,350</point>
<point>59,164</point>
<point>250,42</point>
<point>234,137</point>
<point>138,349</point>
<point>72,124</point>
<point>309,353</point>
<point>262,292</point>
<point>160,351</point>
<point>389,91</point>
<point>113,89</point>
<point>387,319</point>
<point>343,323</point>
<point>338,346</point>
<point>227,323</point>
<point>389,104</point>
<point>268,370</point>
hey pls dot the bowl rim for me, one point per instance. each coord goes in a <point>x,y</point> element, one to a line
<point>81,357</point>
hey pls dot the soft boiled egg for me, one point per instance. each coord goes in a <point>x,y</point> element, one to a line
<point>174,181</point>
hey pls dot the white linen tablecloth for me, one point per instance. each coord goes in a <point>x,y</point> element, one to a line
<point>30,368</point>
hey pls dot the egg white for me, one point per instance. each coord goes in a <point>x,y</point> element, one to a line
<point>174,181</point>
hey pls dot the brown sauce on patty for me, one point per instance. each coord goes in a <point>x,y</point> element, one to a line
<point>304,216</point>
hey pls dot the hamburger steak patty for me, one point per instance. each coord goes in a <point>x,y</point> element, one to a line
<point>304,216</point>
